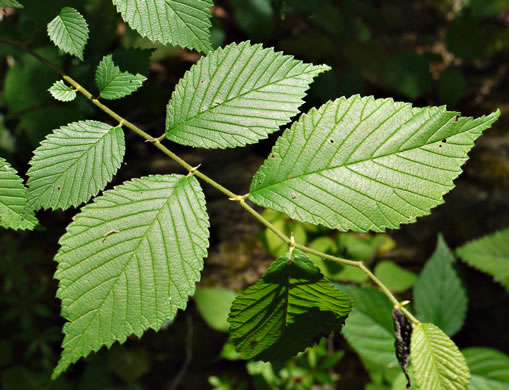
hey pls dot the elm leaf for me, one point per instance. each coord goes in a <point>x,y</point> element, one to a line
<point>236,96</point>
<point>74,163</point>
<point>177,22</point>
<point>129,261</point>
<point>438,364</point>
<point>113,83</point>
<point>62,92</point>
<point>14,210</point>
<point>366,164</point>
<point>69,31</point>
<point>286,310</point>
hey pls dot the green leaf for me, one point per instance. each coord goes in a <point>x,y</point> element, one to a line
<point>489,369</point>
<point>236,96</point>
<point>60,91</point>
<point>489,254</point>
<point>439,296</point>
<point>73,164</point>
<point>129,261</point>
<point>178,22</point>
<point>69,31</point>
<point>366,164</point>
<point>14,211</point>
<point>113,83</point>
<point>395,278</point>
<point>369,328</point>
<point>10,3</point>
<point>214,305</point>
<point>438,363</point>
<point>282,313</point>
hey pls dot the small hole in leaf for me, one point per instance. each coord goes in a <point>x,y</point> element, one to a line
<point>331,141</point>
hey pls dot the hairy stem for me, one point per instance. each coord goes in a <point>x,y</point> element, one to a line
<point>194,171</point>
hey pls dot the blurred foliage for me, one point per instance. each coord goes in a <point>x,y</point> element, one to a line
<point>431,52</point>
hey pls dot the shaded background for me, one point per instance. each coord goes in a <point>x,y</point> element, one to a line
<point>430,52</point>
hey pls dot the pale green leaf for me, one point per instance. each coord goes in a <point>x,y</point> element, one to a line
<point>439,295</point>
<point>69,31</point>
<point>489,369</point>
<point>73,164</point>
<point>10,3</point>
<point>366,164</point>
<point>282,313</point>
<point>60,91</point>
<point>177,22</point>
<point>129,261</point>
<point>438,364</point>
<point>369,328</point>
<point>214,305</point>
<point>395,278</point>
<point>236,96</point>
<point>489,254</point>
<point>113,83</point>
<point>14,211</point>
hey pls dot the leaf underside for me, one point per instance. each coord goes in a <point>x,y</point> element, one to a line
<point>129,261</point>
<point>489,369</point>
<point>439,296</point>
<point>73,164</point>
<point>489,254</point>
<point>437,362</point>
<point>184,23</point>
<point>369,328</point>
<point>366,164</point>
<point>69,31</point>
<point>62,92</point>
<point>285,311</point>
<point>236,96</point>
<point>113,83</point>
<point>14,211</point>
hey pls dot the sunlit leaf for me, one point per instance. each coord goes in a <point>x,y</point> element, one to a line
<point>60,91</point>
<point>113,83</point>
<point>366,164</point>
<point>178,22</point>
<point>237,95</point>
<point>129,261</point>
<point>69,31</point>
<point>14,211</point>
<point>438,364</point>
<point>73,164</point>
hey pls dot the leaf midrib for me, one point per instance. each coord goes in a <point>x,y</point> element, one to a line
<point>346,164</point>
<point>85,152</point>
<point>211,109</point>
<point>128,262</point>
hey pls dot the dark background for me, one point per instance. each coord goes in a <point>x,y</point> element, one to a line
<point>429,52</point>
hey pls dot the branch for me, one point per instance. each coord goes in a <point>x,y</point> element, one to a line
<point>194,171</point>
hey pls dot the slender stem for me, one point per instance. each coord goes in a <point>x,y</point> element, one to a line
<point>194,171</point>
